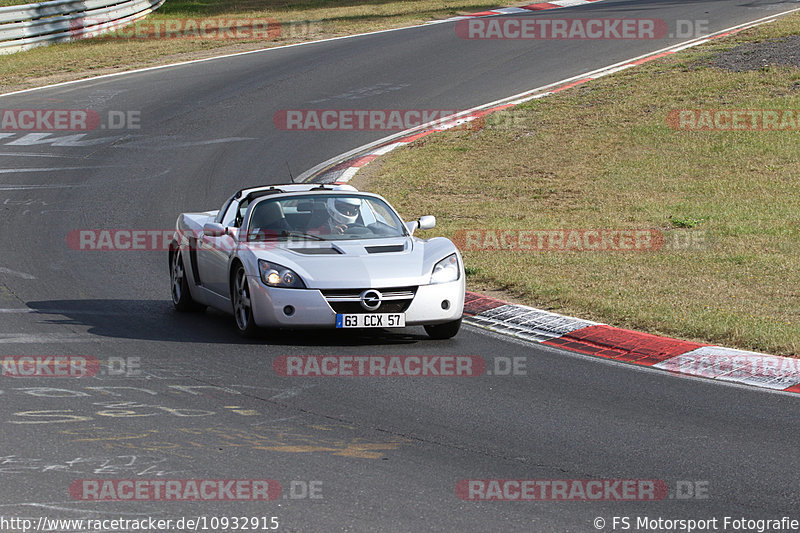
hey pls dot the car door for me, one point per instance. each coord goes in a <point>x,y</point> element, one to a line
<point>213,253</point>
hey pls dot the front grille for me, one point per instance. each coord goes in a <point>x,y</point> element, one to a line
<point>348,301</point>
<point>396,306</point>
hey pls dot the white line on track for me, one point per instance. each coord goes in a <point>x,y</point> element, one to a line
<point>23,275</point>
<point>44,169</point>
<point>44,338</point>
<point>36,154</point>
<point>31,187</point>
<point>212,141</point>
<point>237,54</point>
<point>27,310</point>
<point>54,507</point>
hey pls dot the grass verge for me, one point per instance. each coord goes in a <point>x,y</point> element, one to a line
<point>300,21</point>
<point>602,156</point>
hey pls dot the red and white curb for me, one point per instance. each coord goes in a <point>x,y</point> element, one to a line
<point>557,4</point>
<point>600,340</point>
<point>344,171</point>
<point>342,168</point>
<point>574,334</point>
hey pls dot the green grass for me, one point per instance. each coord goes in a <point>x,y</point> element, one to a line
<point>601,156</point>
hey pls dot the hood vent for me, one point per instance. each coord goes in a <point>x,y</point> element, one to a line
<point>385,249</point>
<point>316,251</point>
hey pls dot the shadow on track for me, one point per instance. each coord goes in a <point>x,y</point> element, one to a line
<point>156,320</point>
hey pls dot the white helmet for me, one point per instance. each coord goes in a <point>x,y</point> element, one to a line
<point>344,209</point>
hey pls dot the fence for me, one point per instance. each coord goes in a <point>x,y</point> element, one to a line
<point>26,26</point>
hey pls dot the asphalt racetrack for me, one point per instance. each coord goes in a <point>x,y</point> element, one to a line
<point>186,399</point>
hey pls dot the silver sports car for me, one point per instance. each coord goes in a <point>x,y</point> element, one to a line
<point>308,255</point>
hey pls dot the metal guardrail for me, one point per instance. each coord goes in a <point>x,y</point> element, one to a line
<point>26,26</point>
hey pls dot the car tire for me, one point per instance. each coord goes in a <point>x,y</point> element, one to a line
<point>447,330</point>
<point>243,304</point>
<point>181,296</point>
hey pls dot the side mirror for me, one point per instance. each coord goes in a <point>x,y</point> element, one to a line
<point>213,229</point>
<point>427,222</point>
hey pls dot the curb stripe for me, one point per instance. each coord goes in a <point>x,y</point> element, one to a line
<point>412,138</point>
<point>475,304</point>
<point>623,344</point>
<point>676,356</point>
<point>557,4</point>
<point>646,59</point>
<point>539,7</point>
<point>727,364</point>
<point>570,85</point>
<point>510,10</point>
<point>361,161</point>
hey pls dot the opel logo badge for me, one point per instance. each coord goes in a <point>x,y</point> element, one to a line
<point>370,299</point>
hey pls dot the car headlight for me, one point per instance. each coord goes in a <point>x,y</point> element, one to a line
<point>446,270</point>
<point>275,275</point>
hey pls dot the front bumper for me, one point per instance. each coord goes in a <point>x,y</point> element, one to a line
<point>311,309</point>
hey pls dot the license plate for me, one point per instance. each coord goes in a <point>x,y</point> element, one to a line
<point>371,320</point>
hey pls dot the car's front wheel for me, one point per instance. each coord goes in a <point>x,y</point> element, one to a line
<point>243,304</point>
<point>443,331</point>
<point>181,297</point>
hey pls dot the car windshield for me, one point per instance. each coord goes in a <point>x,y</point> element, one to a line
<point>323,217</point>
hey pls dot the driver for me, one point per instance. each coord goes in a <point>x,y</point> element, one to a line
<point>343,211</point>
